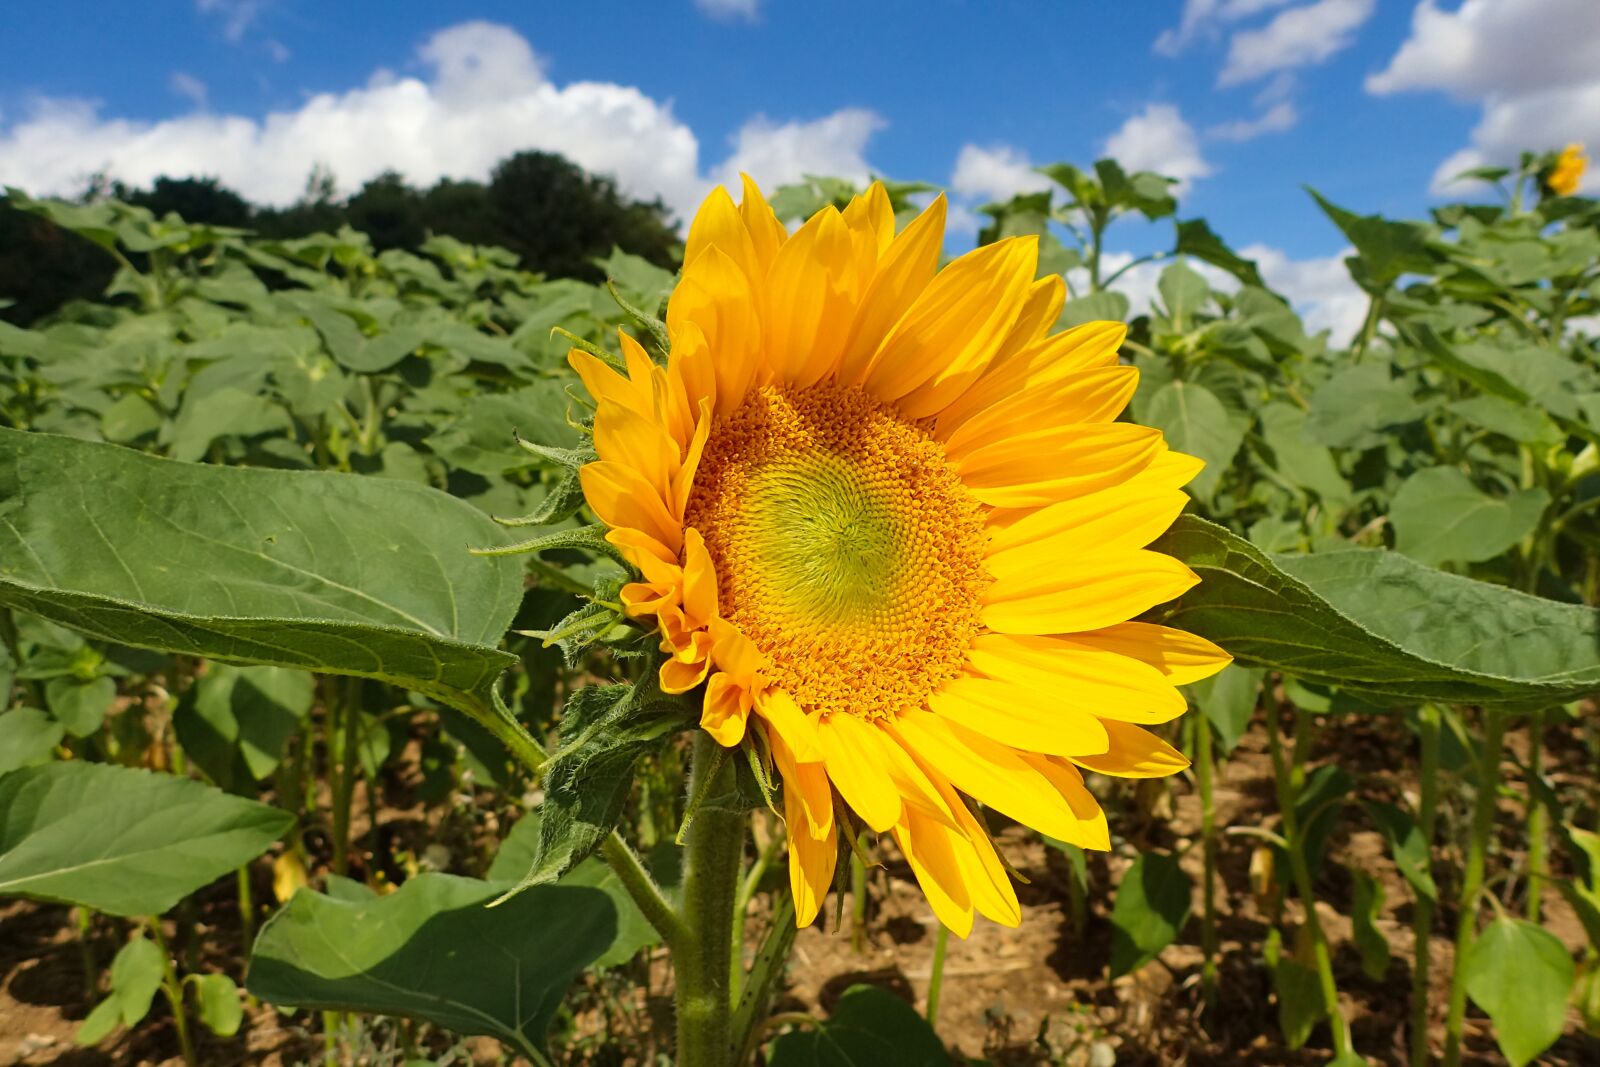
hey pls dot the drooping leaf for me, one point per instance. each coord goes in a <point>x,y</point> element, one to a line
<point>1409,848</point>
<point>218,1000</point>
<point>1376,622</point>
<point>1366,904</point>
<point>120,840</point>
<point>136,974</point>
<point>1520,975</point>
<point>634,932</point>
<point>320,571</point>
<point>1439,516</point>
<point>1196,422</point>
<point>605,731</point>
<point>1151,909</point>
<point>1195,238</point>
<point>27,736</point>
<point>235,721</point>
<point>1387,249</point>
<point>869,1027</point>
<point>435,950</point>
<point>1228,701</point>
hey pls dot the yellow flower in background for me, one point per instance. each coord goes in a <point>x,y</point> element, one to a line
<point>888,519</point>
<point>1568,171</point>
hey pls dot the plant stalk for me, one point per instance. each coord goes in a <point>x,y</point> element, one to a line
<point>1538,818</point>
<point>1472,880</point>
<point>1205,770</point>
<point>1287,795</point>
<point>1422,910</point>
<point>702,954</point>
<point>173,988</point>
<point>936,974</point>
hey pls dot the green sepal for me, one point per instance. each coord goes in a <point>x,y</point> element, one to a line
<point>650,323</point>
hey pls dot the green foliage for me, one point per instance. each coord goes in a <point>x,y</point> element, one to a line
<point>869,1027</point>
<point>1151,910</point>
<point>1520,975</point>
<point>123,841</point>
<point>434,950</point>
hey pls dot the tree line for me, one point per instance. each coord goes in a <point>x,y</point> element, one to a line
<point>554,215</point>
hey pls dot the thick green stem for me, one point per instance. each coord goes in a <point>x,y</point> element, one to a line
<point>858,904</point>
<point>247,909</point>
<point>1288,794</point>
<point>1204,760</point>
<point>1472,880</point>
<point>173,988</point>
<point>702,955</point>
<point>1422,913</point>
<point>936,975</point>
<point>642,888</point>
<point>1538,818</point>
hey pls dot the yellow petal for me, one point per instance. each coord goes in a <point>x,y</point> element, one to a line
<point>811,865</point>
<point>1181,657</point>
<point>1019,716</point>
<point>1049,360</point>
<point>987,880</point>
<point>872,214</point>
<point>812,290</point>
<point>1091,830</point>
<point>1134,753</point>
<point>699,580</point>
<point>607,386</point>
<point>805,785</point>
<point>623,498</point>
<point>1085,593</point>
<point>985,770</point>
<point>735,653</point>
<point>902,274</point>
<point>766,232</point>
<point>725,714</point>
<point>688,666</point>
<point>930,850</point>
<point>951,332</point>
<point>720,224</point>
<point>1037,468</point>
<point>785,718</point>
<point>854,757</point>
<point>717,300</point>
<point>1173,469</point>
<point>1094,396</point>
<point>1103,683</point>
<point>623,436</point>
<point>646,553</point>
<point>1124,516</point>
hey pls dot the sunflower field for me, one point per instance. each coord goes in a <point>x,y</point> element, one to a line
<point>840,651</point>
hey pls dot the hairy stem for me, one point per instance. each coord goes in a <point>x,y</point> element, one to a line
<point>1422,914</point>
<point>1472,880</point>
<point>702,955</point>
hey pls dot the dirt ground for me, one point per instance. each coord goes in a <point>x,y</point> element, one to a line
<point>1034,995</point>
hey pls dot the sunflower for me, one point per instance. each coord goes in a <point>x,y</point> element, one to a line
<point>885,517</point>
<point>1568,171</point>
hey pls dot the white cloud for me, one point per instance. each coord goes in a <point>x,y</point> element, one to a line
<point>1202,17</point>
<point>1277,118</point>
<point>1159,139</point>
<point>997,173</point>
<point>775,153</point>
<point>1299,37</point>
<point>236,15</point>
<point>1319,288</point>
<point>483,97</point>
<point>730,9</point>
<point>276,50</point>
<point>189,87</point>
<point>1533,65</point>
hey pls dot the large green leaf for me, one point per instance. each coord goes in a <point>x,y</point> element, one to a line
<point>869,1027</point>
<point>1377,622</point>
<point>1521,975</point>
<point>325,572</point>
<point>1439,516</point>
<point>517,856</point>
<point>124,841</point>
<point>435,950</point>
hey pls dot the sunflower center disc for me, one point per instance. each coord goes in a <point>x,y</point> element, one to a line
<point>845,545</point>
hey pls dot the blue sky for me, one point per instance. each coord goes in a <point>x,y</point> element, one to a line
<point>1372,101</point>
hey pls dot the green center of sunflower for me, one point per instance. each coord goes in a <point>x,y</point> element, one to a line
<point>846,547</point>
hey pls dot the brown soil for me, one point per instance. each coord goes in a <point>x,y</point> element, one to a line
<point>1034,995</point>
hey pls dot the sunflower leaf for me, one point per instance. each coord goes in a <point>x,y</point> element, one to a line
<point>1377,622</point>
